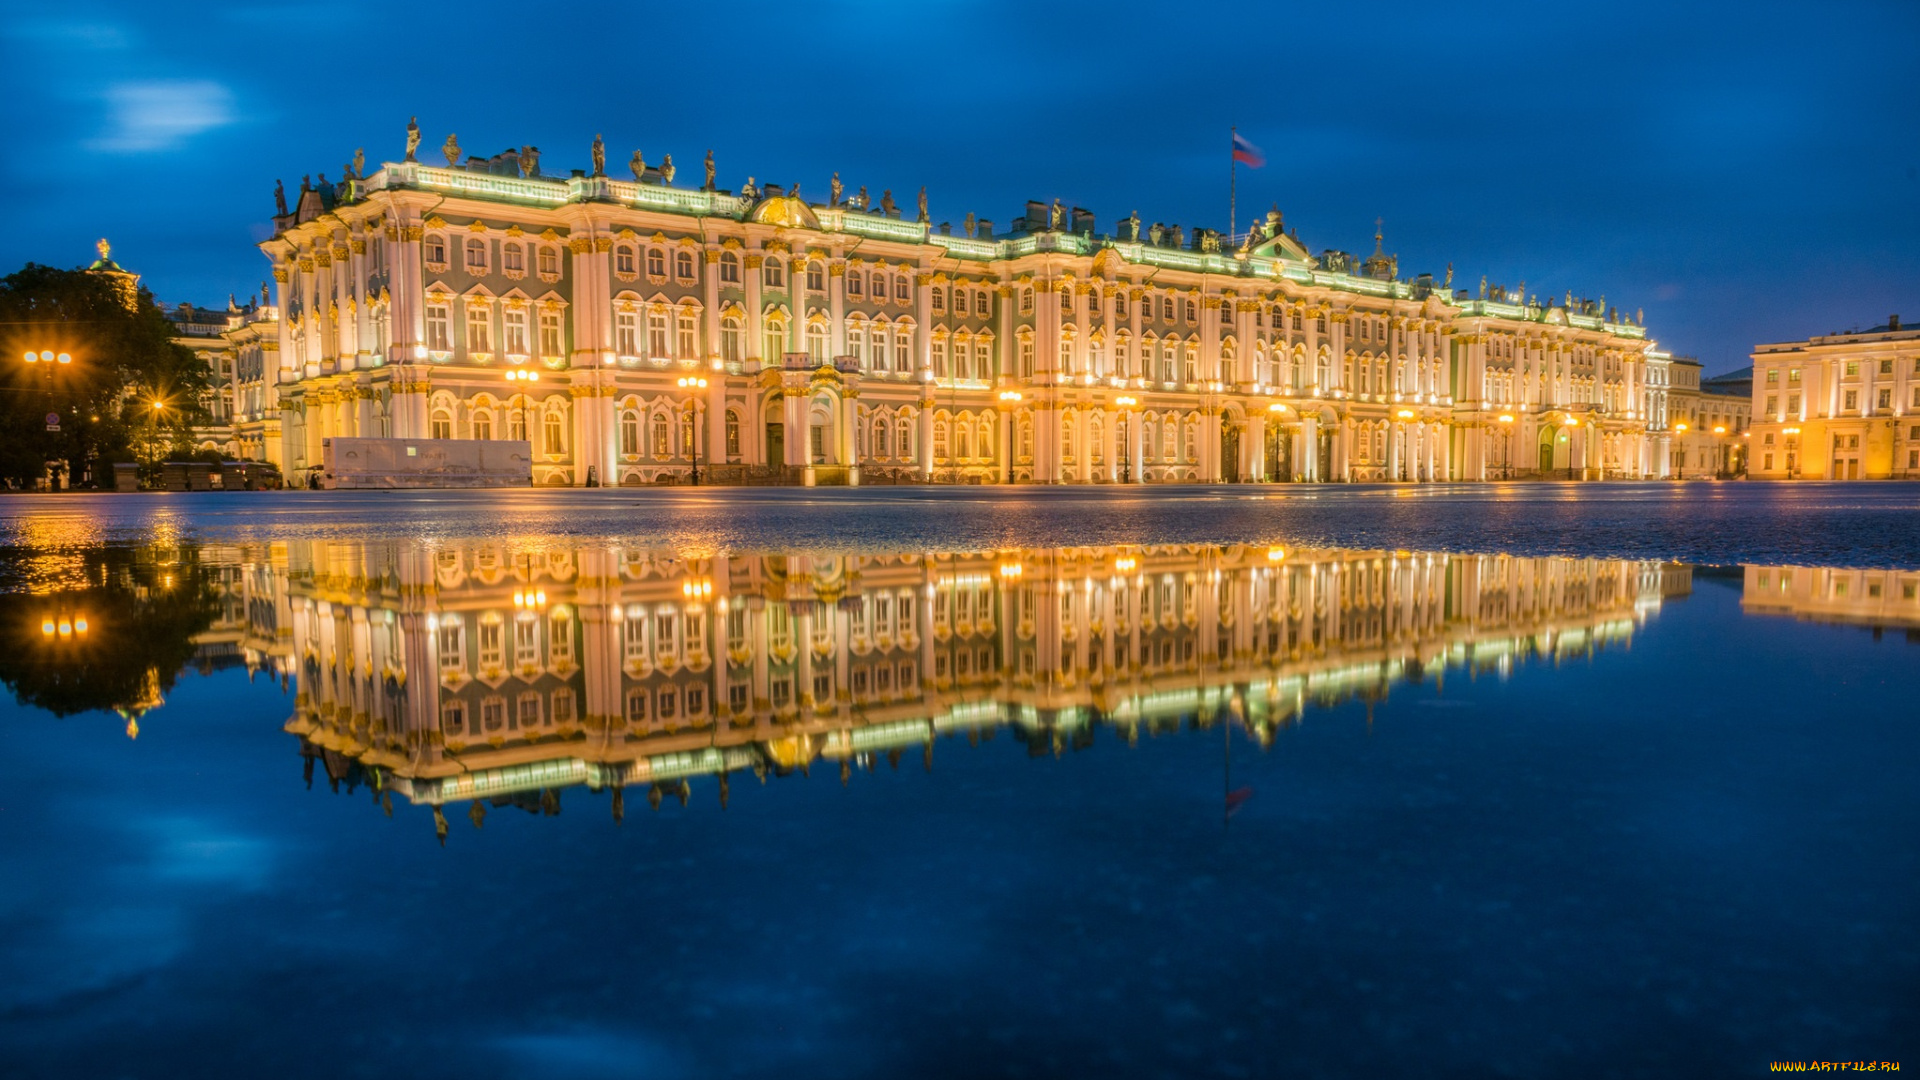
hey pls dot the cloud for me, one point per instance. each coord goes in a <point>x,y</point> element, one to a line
<point>160,114</point>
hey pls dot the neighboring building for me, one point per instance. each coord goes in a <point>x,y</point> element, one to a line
<point>466,672</point>
<point>839,340</point>
<point>1839,407</point>
<point>1707,423</point>
<point>254,338</point>
<point>202,330</point>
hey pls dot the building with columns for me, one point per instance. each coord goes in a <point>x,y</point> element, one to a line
<point>1843,406</point>
<point>626,328</point>
<point>467,673</point>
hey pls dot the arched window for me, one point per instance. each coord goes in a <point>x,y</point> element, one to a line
<point>902,289</point>
<point>774,274</point>
<point>730,338</point>
<point>1097,357</point>
<point>816,277</point>
<point>904,443</point>
<point>729,268</point>
<point>482,425</point>
<point>1026,356</point>
<point>773,339</point>
<point>517,424</point>
<point>441,426</point>
<point>902,349</point>
<point>435,251</point>
<point>656,263</point>
<point>940,439</point>
<point>513,259</point>
<point>623,261</point>
<point>963,443</point>
<point>556,433</point>
<point>629,433</point>
<point>1026,301</point>
<point>986,437</point>
<point>881,429</point>
<point>683,265</point>
<point>733,434</point>
<point>660,448</point>
<point>476,256</point>
<point>817,341</point>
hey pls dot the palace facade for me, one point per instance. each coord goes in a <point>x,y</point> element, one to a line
<point>631,329</point>
<point>1838,407</point>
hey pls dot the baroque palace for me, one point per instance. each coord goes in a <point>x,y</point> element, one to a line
<point>633,330</point>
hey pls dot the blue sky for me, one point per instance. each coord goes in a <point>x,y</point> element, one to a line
<point>1743,172</point>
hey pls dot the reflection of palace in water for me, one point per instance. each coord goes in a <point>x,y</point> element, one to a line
<point>471,672</point>
<point>1881,599</point>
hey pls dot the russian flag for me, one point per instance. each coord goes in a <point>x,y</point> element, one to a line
<point>1246,153</point>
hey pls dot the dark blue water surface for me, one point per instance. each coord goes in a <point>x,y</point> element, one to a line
<point>1557,807</point>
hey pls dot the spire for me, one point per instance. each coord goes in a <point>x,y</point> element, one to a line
<point>1379,225</point>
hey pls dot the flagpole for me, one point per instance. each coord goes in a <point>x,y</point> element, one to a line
<point>1233,184</point>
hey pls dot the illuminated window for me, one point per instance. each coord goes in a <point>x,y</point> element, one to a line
<point>439,334</point>
<point>479,329</point>
<point>623,260</point>
<point>550,344</point>
<point>729,268</point>
<point>656,263</point>
<point>683,266</point>
<point>549,261</point>
<point>515,324</point>
<point>441,426</point>
<point>556,433</point>
<point>774,274</point>
<point>513,259</point>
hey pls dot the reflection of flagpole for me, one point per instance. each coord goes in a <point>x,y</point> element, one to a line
<point>1233,183</point>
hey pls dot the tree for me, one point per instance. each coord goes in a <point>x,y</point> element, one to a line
<point>124,360</point>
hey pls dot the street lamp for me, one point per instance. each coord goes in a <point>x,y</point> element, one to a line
<point>1127,404</point>
<point>1506,447</point>
<point>518,375</point>
<point>1403,414</point>
<point>1793,449</point>
<point>694,383</point>
<point>1273,436</point>
<point>1572,422</point>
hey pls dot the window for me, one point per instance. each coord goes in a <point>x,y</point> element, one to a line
<point>1166,309</point>
<point>1026,355</point>
<point>1773,375</point>
<point>556,434</point>
<point>1853,368</point>
<point>441,426</point>
<point>657,334</point>
<point>982,360</point>
<point>684,335</point>
<point>1885,400</point>
<point>439,337</point>
<point>902,349</point>
<point>730,338</point>
<point>637,700</point>
<point>476,256</point>
<point>939,358</point>
<point>856,283</point>
<point>513,259</point>
<point>550,345</point>
<point>479,327</point>
<point>549,263</point>
<point>630,433</point>
<point>516,331</point>
<point>902,291</point>
<point>1773,403</point>
<point>435,252</point>
<point>453,717</point>
<point>626,333</point>
<point>1120,305</point>
<point>656,263</point>
<point>482,425</point>
<point>729,268</point>
<point>623,261</point>
<point>1026,301</point>
<point>816,277</point>
<point>1852,400</point>
<point>939,300</point>
<point>683,265</point>
<point>1793,375</point>
<point>528,713</point>
<point>774,274</point>
<point>660,448</point>
<point>1193,312</point>
<point>733,434</point>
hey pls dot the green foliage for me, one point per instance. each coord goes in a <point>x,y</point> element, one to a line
<point>124,358</point>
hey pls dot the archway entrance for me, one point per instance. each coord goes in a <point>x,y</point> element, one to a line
<point>1279,453</point>
<point>1325,471</point>
<point>1548,436</point>
<point>776,443</point>
<point>1229,453</point>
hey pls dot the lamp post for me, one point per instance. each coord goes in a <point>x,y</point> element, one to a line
<point>1722,450</point>
<point>1009,401</point>
<point>1793,450</point>
<point>1404,415</point>
<point>695,384</point>
<point>519,376</point>
<point>54,363</point>
<point>1680,430</point>
<point>1572,422</point>
<point>1274,412</point>
<point>1127,404</point>
<point>1506,446</point>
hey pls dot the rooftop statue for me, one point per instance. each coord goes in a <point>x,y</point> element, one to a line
<point>748,191</point>
<point>860,201</point>
<point>413,138</point>
<point>1483,286</point>
<point>708,186</point>
<point>266,295</point>
<point>638,163</point>
<point>599,156</point>
<point>1133,223</point>
<point>886,202</point>
<point>1056,218</point>
<point>280,198</point>
<point>971,224</point>
<point>530,161</point>
<point>451,148</point>
<point>666,169</point>
<point>834,190</point>
<point>360,162</point>
<point>105,249</point>
<point>1449,282</point>
<point>923,205</point>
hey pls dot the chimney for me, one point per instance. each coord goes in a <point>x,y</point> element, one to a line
<point>1893,322</point>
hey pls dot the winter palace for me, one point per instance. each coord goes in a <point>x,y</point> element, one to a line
<point>633,331</point>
